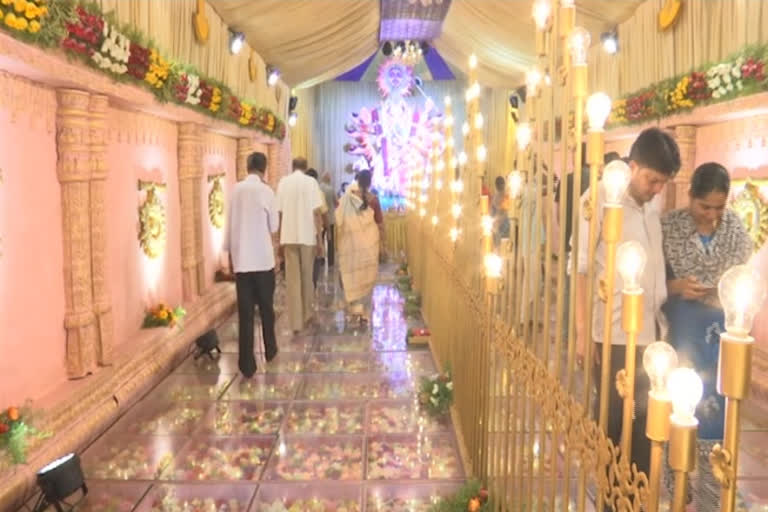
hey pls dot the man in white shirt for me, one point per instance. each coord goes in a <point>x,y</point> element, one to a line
<point>653,160</point>
<point>252,219</point>
<point>299,202</point>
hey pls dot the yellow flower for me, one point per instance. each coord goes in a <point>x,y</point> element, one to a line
<point>20,5</point>
<point>32,11</point>
<point>34,27</point>
<point>7,2</point>
<point>21,23</point>
<point>10,20</point>
<point>43,11</point>
<point>163,315</point>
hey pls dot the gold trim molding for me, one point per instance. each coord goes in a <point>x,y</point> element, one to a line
<point>752,207</point>
<point>152,220</point>
<point>216,201</point>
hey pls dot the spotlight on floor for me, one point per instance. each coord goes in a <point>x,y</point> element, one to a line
<point>273,75</point>
<point>610,42</point>
<point>58,481</point>
<point>292,118</point>
<point>236,42</point>
<point>293,102</point>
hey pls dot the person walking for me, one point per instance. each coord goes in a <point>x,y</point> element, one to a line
<point>252,219</point>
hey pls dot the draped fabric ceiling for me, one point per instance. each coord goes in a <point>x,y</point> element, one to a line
<point>313,41</point>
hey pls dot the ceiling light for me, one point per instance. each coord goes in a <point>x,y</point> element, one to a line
<point>236,42</point>
<point>273,75</point>
<point>292,118</point>
<point>610,42</point>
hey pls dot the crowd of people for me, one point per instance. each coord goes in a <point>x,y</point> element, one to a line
<point>311,226</point>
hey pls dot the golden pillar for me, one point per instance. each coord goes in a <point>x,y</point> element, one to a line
<point>189,192</point>
<point>677,193</point>
<point>102,299</point>
<point>74,172</point>
<point>244,148</point>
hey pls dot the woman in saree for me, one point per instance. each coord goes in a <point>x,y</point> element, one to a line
<point>701,242</point>
<point>358,217</point>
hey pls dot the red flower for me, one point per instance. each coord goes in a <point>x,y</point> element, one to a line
<point>4,428</point>
<point>753,68</point>
<point>206,94</point>
<point>138,61</point>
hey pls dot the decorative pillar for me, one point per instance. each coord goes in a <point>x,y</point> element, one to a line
<point>273,164</point>
<point>102,300</point>
<point>244,148</point>
<point>677,193</point>
<point>189,174</point>
<point>73,168</point>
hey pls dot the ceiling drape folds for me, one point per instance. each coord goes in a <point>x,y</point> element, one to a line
<point>311,41</point>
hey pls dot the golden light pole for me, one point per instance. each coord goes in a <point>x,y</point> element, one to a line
<point>615,181</point>
<point>742,292</point>
<point>631,263</point>
<point>685,389</point>
<point>659,359</point>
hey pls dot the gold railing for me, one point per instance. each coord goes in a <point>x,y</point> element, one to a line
<point>524,404</point>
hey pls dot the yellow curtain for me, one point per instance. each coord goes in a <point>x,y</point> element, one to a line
<point>301,134</point>
<point>311,40</point>
<point>169,25</point>
<point>707,32</point>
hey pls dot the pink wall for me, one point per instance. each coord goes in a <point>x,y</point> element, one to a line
<point>140,147</point>
<point>219,155</point>
<point>32,333</point>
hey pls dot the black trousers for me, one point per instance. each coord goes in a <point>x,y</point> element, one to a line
<point>641,446</point>
<point>255,289</point>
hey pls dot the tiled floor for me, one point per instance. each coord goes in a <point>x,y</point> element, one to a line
<point>329,425</point>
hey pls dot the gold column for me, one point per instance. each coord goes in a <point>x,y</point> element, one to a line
<point>189,174</point>
<point>682,460</point>
<point>677,193</point>
<point>102,299</point>
<point>74,172</point>
<point>244,148</point>
<point>657,430</point>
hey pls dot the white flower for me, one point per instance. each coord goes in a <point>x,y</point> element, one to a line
<point>739,85</point>
<point>434,401</point>
<point>714,83</point>
<point>730,87</point>
<point>435,389</point>
<point>736,71</point>
<point>449,385</point>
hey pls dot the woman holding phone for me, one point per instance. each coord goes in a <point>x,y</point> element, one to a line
<point>701,242</point>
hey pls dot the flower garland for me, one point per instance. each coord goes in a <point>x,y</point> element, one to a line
<point>436,394</point>
<point>83,31</point>
<point>163,316</point>
<point>739,75</point>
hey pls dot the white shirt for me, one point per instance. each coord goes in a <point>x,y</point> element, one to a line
<point>251,218</point>
<point>643,224</point>
<point>298,196</point>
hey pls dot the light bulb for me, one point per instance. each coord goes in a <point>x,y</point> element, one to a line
<point>440,166</point>
<point>493,264</point>
<point>423,198</point>
<point>292,118</point>
<point>615,181</point>
<point>742,292</point>
<point>478,121</point>
<point>462,158</point>
<point>456,210</point>
<point>465,128</point>
<point>454,160</point>
<point>448,121</point>
<point>532,80</point>
<point>598,110</point>
<point>685,390</point>
<point>578,45</point>
<point>631,260</point>
<point>434,220</point>
<point>447,101</point>
<point>659,359</point>
<point>523,136</point>
<point>459,186</point>
<point>487,222</point>
<point>515,183</point>
<point>472,61</point>
<point>422,212</point>
<point>450,144</point>
<point>568,4</point>
<point>482,153</point>
<point>541,11</point>
<point>475,90</point>
<point>454,234</point>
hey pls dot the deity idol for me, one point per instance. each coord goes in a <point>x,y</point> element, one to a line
<point>394,138</point>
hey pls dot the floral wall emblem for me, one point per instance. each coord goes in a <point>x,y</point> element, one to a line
<point>216,201</point>
<point>152,220</point>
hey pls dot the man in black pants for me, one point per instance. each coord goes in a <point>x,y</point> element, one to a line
<point>251,223</point>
